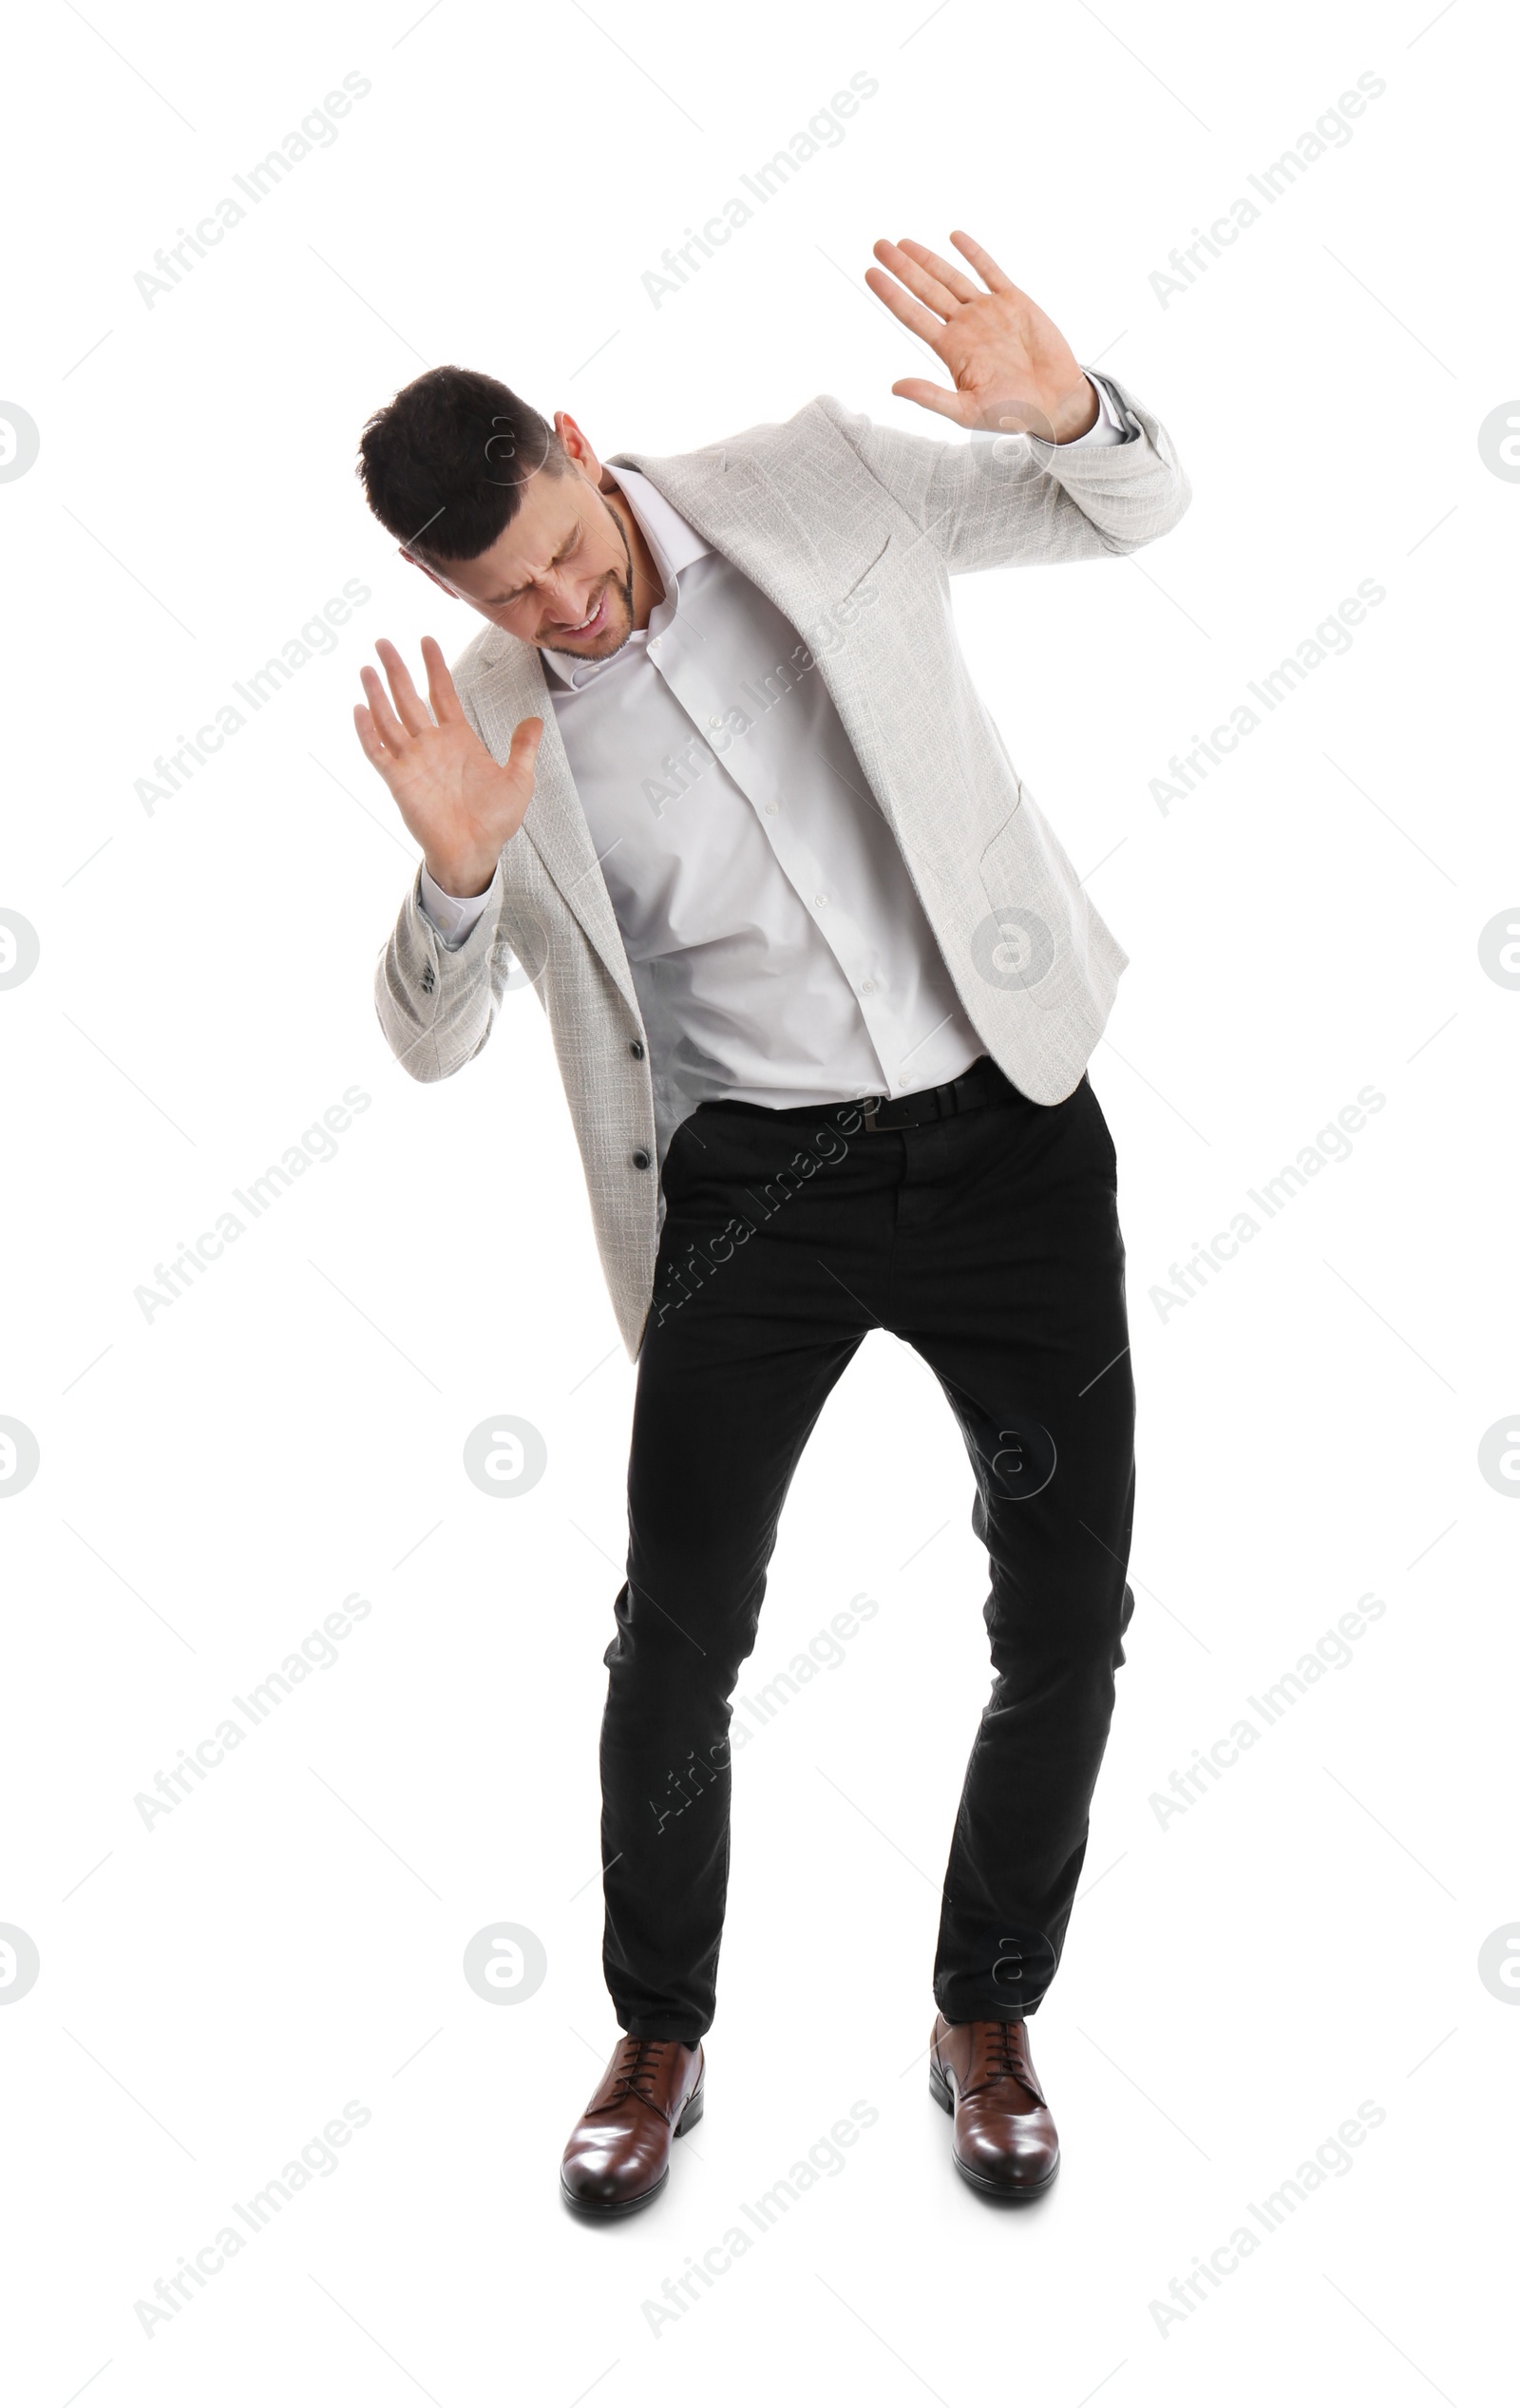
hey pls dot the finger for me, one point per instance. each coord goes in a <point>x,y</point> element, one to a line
<point>925,287</point>
<point>413,711</point>
<point>526,737</point>
<point>441,694</point>
<point>985,265</point>
<point>374,751</point>
<point>392,735</point>
<point>956,284</point>
<point>903,307</point>
<point>949,405</point>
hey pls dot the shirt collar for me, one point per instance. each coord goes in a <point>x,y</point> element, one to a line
<point>673,544</point>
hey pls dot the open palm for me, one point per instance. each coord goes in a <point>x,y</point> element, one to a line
<point>460,804</point>
<point>1013,366</point>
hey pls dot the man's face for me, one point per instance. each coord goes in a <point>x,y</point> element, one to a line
<point>559,576</point>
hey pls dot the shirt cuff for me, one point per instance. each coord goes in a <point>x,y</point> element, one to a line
<point>454,916</point>
<point>1107,427</point>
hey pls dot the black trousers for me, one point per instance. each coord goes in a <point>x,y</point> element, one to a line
<point>989,1241</point>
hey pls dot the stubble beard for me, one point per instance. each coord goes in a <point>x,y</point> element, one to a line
<point>623,591</point>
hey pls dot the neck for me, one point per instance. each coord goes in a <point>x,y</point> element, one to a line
<point>649,589</point>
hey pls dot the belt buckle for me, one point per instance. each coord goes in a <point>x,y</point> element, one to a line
<point>868,1109</point>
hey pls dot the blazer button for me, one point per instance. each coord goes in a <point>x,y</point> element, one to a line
<point>635,1048</point>
<point>642,1160</point>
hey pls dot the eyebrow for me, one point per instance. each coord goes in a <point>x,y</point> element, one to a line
<point>494,602</point>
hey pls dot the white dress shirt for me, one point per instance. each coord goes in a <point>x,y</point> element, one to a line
<point>778,950</point>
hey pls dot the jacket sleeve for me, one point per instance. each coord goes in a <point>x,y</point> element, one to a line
<point>436,1002</point>
<point>986,501</point>
<point>437,998</point>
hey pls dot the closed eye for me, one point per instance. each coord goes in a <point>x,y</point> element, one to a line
<point>571,545</point>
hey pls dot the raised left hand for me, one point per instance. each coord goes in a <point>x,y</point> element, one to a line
<point>1014,370</point>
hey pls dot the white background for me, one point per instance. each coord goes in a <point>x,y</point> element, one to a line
<point>215,1481</point>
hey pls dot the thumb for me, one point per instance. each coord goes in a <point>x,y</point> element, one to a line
<point>937,397</point>
<point>526,737</point>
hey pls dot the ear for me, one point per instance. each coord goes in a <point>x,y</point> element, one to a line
<point>428,572</point>
<point>577,449</point>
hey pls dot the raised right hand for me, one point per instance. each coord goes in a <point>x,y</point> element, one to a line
<point>460,804</point>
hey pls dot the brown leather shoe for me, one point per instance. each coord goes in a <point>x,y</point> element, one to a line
<point>1005,2133</point>
<point>619,2154</point>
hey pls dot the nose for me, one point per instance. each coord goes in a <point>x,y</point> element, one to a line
<point>566,607</point>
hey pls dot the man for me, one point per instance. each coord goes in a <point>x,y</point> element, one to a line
<point>821,984</point>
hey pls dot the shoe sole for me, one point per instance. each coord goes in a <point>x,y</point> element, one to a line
<point>597,2209</point>
<point>940,2092</point>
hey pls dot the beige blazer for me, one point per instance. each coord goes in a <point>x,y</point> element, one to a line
<point>853,531</point>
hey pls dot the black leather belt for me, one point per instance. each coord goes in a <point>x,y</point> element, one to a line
<point>983,1082</point>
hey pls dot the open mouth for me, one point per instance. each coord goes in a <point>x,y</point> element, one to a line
<point>593,625</point>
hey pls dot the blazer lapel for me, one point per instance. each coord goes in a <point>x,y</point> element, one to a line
<point>513,687</point>
<point>738,507</point>
<point>743,513</point>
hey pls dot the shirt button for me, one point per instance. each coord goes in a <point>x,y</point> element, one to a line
<point>771,810</point>
<point>654,647</point>
<point>820,900</point>
<point>867,986</point>
<point>715,721</point>
<point>642,1160</point>
<point>635,1048</point>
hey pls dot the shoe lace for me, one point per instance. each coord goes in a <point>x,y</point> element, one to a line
<point>635,2069</point>
<point>997,2056</point>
